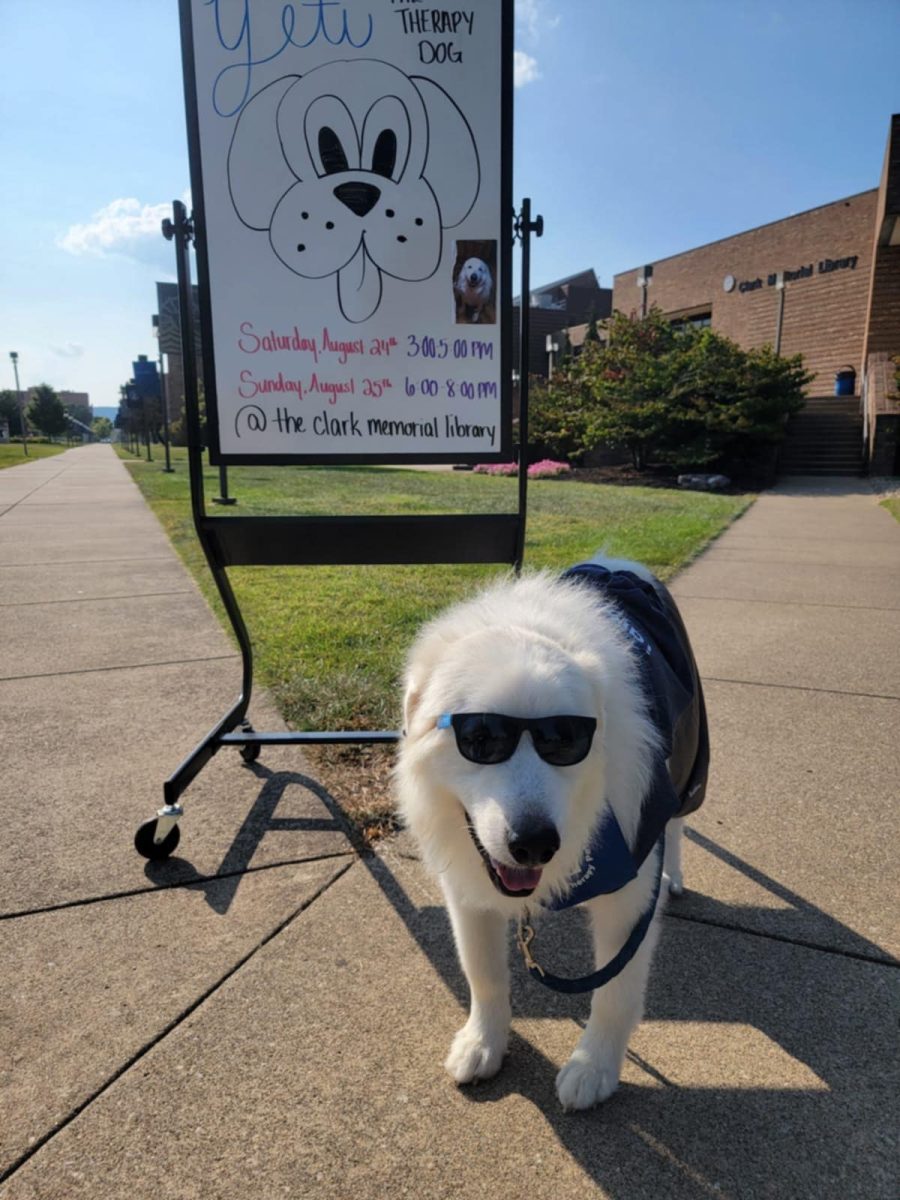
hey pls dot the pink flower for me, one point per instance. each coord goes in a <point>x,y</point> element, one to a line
<point>496,469</point>
<point>547,469</point>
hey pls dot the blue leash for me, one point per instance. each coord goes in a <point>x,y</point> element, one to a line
<point>589,983</point>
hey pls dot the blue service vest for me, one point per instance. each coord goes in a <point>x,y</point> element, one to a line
<point>671,683</point>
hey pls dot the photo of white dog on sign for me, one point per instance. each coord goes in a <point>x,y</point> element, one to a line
<point>554,736</point>
<point>473,283</point>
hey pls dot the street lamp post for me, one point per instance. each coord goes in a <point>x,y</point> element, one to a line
<point>168,468</point>
<point>552,349</point>
<point>779,324</point>
<point>643,283</point>
<point>20,401</point>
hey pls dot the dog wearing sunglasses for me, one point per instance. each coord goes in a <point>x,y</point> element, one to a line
<point>545,720</point>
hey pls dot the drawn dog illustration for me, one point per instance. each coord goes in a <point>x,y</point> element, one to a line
<point>354,170</point>
<point>475,292</point>
<point>554,728</point>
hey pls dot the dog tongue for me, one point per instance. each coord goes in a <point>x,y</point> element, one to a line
<point>517,879</point>
<point>359,286</point>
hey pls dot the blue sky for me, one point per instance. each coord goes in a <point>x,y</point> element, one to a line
<point>643,127</point>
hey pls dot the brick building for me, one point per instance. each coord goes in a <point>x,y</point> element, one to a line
<point>555,309</point>
<point>823,283</point>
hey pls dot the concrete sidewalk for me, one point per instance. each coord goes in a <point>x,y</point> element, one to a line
<point>266,1013</point>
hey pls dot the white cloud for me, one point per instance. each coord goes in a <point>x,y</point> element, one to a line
<point>532,18</point>
<point>528,16</point>
<point>115,227</point>
<point>69,350</point>
<point>525,68</point>
<point>124,226</point>
<point>532,23</point>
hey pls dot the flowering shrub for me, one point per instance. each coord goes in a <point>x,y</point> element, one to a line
<point>683,397</point>
<point>545,469</point>
<point>496,469</point>
<point>548,469</point>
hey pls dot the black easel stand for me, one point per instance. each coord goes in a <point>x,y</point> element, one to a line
<point>223,497</point>
<point>295,540</point>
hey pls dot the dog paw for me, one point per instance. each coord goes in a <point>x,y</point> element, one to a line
<point>474,1055</point>
<point>584,1082</point>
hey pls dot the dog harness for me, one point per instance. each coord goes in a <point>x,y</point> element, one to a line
<point>668,675</point>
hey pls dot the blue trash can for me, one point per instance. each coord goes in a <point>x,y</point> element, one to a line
<point>845,382</point>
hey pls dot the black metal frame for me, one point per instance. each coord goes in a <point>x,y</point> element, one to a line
<point>303,540</point>
<point>229,541</point>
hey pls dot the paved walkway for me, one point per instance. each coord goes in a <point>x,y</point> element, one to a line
<point>266,1013</point>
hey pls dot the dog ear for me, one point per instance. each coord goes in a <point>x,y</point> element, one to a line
<point>452,167</point>
<point>258,172</point>
<point>410,703</point>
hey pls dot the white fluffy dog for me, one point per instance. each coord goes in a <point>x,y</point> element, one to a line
<point>475,288</point>
<point>527,726</point>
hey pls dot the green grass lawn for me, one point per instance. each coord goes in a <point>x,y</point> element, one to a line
<point>892,504</point>
<point>330,641</point>
<point>12,455</point>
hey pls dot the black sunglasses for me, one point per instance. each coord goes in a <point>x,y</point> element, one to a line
<point>488,738</point>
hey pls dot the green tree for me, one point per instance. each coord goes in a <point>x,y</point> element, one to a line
<point>685,398</point>
<point>559,410</point>
<point>9,411</point>
<point>178,429</point>
<point>102,428</point>
<point>725,402</point>
<point>80,412</point>
<point>45,411</point>
<point>592,333</point>
<point>627,383</point>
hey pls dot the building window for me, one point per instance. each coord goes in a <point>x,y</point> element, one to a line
<point>698,321</point>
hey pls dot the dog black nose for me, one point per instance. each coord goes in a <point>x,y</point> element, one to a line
<point>533,845</point>
<point>360,198</point>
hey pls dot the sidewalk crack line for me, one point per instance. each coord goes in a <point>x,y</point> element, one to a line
<point>797,687</point>
<point>192,882</point>
<point>886,961</point>
<point>167,1029</point>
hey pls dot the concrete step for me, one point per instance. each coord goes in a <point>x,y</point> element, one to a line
<point>823,445</point>
<point>815,430</point>
<point>843,403</point>
<point>822,450</point>
<point>817,421</point>
<point>839,403</point>
<point>850,467</point>
<point>825,457</point>
<point>823,414</point>
<point>850,463</point>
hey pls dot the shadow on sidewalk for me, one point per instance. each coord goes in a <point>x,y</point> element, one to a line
<point>765,1009</point>
<point>221,887</point>
<point>756,1008</point>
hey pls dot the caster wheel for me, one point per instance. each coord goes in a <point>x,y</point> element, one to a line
<point>250,751</point>
<point>156,851</point>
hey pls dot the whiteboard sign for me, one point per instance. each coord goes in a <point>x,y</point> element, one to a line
<point>351,169</point>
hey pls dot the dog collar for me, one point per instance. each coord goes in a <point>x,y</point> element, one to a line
<point>589,983</point>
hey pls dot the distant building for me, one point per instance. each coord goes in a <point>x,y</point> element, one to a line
<point>554,310</point>
<point>77,400</point>
<point>823,283</point>
<point>76,404</point>
<point>167,323</point>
